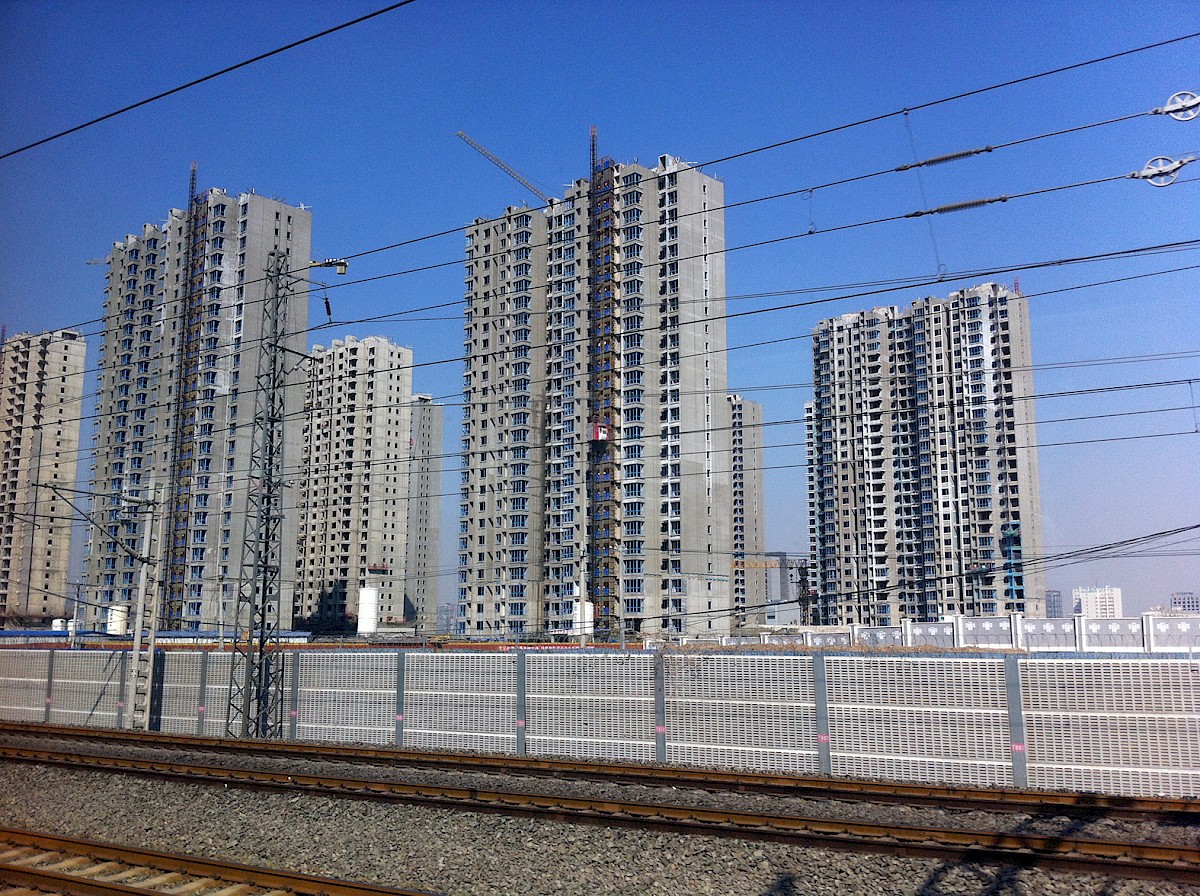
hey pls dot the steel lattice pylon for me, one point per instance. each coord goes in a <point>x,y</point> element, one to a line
<point>255,684</point>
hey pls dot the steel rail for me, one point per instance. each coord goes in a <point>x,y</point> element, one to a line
<point>1032,802</point>
<point>1078,855</point>
<point>75,867</point>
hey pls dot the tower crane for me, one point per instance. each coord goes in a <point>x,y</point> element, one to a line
<point>507,169</point>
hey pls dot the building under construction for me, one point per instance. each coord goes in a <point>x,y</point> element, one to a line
<point>597,492</point>
<point>182,333</point>
<point>41,387</point>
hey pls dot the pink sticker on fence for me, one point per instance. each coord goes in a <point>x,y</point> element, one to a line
<point>1018,748</point>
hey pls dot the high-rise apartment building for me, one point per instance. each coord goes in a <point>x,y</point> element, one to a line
<point>369,511</point>
<point>1098,602</point>
<point>41,387</point>
<point>182,335</point>
<point>749,539</point>
<point>596,429</point>
<point>923,475</point>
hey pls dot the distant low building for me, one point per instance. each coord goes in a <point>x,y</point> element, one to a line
<point>1185,601</point>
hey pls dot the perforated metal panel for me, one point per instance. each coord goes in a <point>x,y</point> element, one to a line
<point>460,701</point>
<point>181,697</point>
<point>898,768</point>
<point>938,720</point>
<point>23,676</point>
<point>216,694</point>
<point>345,696</point>
<point>914,681</point>
<point>87,686</point>
<point>749,711</point>
<point>591,705</point>
<point>1125,782</point>
<point>1117,686</point>
<point>1113,726</point>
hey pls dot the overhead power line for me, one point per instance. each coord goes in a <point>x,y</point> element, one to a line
<point>197,81</point>
<point>904,284</point>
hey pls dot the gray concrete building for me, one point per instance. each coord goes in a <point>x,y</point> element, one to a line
<point>789,596</point>
<point>182,335</point>
<point>1055,606</point>
<point>368,505</point>
<point>750,568</point>
<point>923,474</point>
<point>41,390</point>
<point>596,476</point>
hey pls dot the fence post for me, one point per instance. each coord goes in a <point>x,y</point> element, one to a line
<point>821,696</point>
<point>121,689</point>
<point>521,713</point>
<point>1016,720</point>
<point>202,703</point>
<point>660,707</point>
<point>49,685</point>
<point>294,711</point>
<point>1148,634</point>
<point>400,654</point>
<point>1080,634</point>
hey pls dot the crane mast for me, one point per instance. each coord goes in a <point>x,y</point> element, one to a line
<point>507,169</point>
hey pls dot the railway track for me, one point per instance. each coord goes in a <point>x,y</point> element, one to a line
<point>1073,854</point>
<point>33,863</point>
<point>1030,802</point>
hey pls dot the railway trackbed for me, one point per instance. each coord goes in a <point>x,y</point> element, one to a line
<point>1009,800</point>
<point>34,863</point>
<point>1148,861</point>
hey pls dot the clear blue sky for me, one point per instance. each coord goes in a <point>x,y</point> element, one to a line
<point>361,125</point>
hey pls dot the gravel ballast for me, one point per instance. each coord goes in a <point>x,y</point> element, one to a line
<point>464,853</point>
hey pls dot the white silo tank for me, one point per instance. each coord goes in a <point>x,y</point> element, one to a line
<point>368,611</point>
<point>118,621</point>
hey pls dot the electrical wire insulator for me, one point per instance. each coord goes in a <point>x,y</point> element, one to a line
<point>950,157</point>
<point>957,207</point>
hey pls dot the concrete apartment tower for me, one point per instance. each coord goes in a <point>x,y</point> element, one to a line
<point>41,388</point>
<point>750,562</point>
<point>368,505</point>
<point>923,474</point>
<point>596,476</point>
<point>182,335</point>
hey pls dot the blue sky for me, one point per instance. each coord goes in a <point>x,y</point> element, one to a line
<point>360,126</point>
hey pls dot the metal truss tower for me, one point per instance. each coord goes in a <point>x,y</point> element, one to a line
<point>256,677</point>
